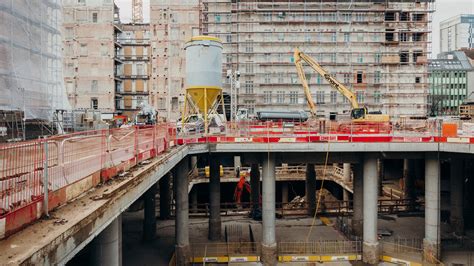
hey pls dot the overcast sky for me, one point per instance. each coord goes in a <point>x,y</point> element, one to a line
<point>444,9</point>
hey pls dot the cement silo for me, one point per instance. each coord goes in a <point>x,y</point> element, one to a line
<point>203,77</point>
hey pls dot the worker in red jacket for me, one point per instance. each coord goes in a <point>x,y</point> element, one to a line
<point>240,187</point>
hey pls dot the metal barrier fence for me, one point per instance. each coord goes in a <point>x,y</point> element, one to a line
<point>62,160</point>
<point>323,247</point>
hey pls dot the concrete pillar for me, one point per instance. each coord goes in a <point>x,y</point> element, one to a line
<point>181,184</point>
<point>214,201</point>
<point>358,207</point>
<point>108,244</point>
<point>194,201</point>
<point>194,168</point>
<point>284,192</point>
<point>409,178</point>
<point>347,178</point>
<point>380,174</point>
<point>237,162</point>
<point>456,179</point>
<point>255,188</point>
<point>165,196</point>
<point>431,242</point>
<point>149,221</point>
<point>311,189</point>
<point>269,247</point>
<point>370,247</point>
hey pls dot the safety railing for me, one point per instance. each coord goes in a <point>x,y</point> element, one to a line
<point>59,161</point>
<point>322,247</point>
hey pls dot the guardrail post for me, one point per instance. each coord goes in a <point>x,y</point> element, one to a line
<point>45,180</point>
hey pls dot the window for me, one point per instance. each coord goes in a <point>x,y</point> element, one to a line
<point>280,96</point>
<point>377,96</point>
<point>94,103</point>
<point>360,96</point>
<point>249,86</point>
<point>250,104</point>
<point>334,37</point>
<point>418,17</point>
<point>404,37</point>
<point>267,97</point>
<point>281,36</point>
<point>83,49</point>
<point>389,35</point>
<point>360,58</point>
<point>416,55</point>
<point>249,68</point>
<point>377,75</point>
<point>360,17</point>
<point>417,36</point>
<point>267,16</point>
<point>378,58</point>
<point>228,58</point>
<point>347,17</point>
<point>347,78</point>
<point>249,47</point>
<point>417,79</point>
<point>404,57</point>
<point>347,37</point>
<point>404,16</point>
<point>94,17</point>
<point>390,16</point>
<point>217,18</point>
<point>228,38</point>
<point>333,58</point>
<point>293,97</point>
<point>360,75</point>
<point>267,78</point>
<point>360,36</point>
<point>280,77</point>
<point>94,86</point>
<point>320,97</point>
<point>333,96</point>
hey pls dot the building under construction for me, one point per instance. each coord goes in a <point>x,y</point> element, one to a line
<point>378,49</point>
<point>31,85</point>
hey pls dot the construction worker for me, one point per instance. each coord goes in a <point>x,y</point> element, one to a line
<point>240,187</point>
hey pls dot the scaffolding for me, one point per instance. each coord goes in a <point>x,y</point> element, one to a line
<point>31,81</point>
<point>379,49</point>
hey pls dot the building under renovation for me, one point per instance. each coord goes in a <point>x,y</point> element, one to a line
<point>31,85</point>
<point>89,40</point>
<point>134,69</point>
<point>172,23</point>
<point>378,49</point>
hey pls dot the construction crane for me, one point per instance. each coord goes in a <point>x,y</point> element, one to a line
<point>358,114</point>
<point>137,11</point>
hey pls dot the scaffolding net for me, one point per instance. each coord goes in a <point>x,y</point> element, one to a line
<point>31,78</point>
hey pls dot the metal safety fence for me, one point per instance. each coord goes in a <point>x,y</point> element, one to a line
<point>59,161</point>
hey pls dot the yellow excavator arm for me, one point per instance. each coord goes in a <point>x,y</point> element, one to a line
<point>298,55</point>
<point>304,81</point>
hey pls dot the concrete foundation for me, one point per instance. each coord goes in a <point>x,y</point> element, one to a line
<point>311,189</point>
<point>269,247</point>
<point>149,221</point>
<point>431,242</point>
<point>358,215</point>
<point>214,201</point>
<point>456,218</point>
<point>370,248</point>
<point>181,182</point>
<point>255,187</point>
<point>347,178</point>
<point>165,196</point>
<point>108,244</point>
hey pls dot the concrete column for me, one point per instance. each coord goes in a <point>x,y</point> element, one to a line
<point>214,201</point>
<point>255,188</point>
<point>181,184</point>
<point>237,162</point>
<point>311,189</point>
<point>380,174</point>
<point>358,207</point>
<point>269,248</point>
<point>165,196</point>
<point>284,192</point>
<point>347,178</point>
<point>108,244</point>
<point>409,179</point>
<point>370,246</point>
<point>431,242</point>
<point>149,221</point>
<point>194,165</point>
<point>456,180</point>
<point>194,201</point>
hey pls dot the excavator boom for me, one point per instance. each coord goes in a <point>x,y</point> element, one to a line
<point>321,71</point>
<point>304,81</point>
